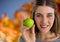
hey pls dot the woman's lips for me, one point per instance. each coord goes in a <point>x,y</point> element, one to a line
<point>43,26</point>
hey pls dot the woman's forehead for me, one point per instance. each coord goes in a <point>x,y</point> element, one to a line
<point>44,9</point>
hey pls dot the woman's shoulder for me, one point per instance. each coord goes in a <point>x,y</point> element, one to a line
<point>21,39</point>
<point>58,36</point>
<point>57,39</point>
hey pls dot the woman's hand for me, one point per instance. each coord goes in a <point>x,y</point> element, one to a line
<point>28,34</point>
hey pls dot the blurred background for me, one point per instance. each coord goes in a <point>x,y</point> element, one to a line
<point>10,13</point>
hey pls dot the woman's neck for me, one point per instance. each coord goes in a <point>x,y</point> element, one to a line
<point>46,36</point>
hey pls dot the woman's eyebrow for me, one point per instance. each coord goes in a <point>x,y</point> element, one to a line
<point>41,14</point>
<point>38,13</point>
<point>50,13</point>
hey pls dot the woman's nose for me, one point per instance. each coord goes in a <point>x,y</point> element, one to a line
<point>44,20</point>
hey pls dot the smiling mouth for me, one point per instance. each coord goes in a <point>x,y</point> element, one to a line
<point>43,26</point>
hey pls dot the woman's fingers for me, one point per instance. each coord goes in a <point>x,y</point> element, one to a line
<point>33,33</point>
<point>27,29</point>
<point>33,29</point>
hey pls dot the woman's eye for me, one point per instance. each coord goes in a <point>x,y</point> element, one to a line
<point>49,16</point>
<point>39,15</point>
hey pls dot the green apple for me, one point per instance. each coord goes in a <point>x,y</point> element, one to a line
<point>29,22</point>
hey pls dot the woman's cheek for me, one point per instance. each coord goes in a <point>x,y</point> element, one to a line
<point>38,20</point>
<point>51,20</point>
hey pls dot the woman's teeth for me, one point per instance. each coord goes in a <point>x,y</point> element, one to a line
<point>43,26</point>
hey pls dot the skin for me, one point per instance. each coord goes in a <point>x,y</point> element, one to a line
<point>44,18</point>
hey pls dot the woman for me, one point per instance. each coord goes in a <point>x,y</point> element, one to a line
<point>46,27</point>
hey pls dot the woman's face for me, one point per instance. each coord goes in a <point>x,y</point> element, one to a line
<point>44,18</point>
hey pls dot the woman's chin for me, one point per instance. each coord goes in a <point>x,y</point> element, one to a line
<point>44,31</point>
